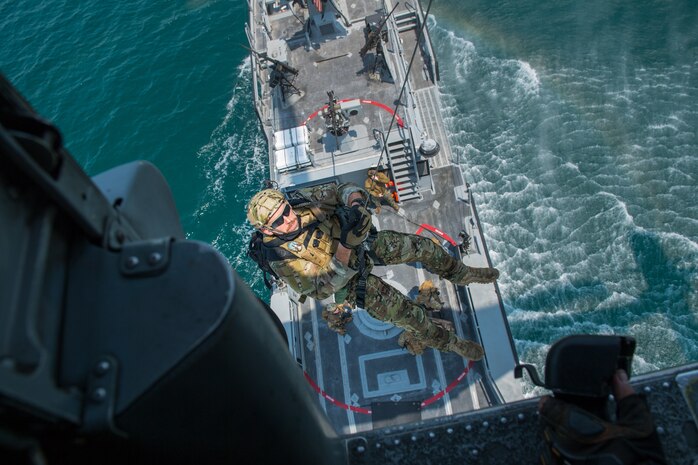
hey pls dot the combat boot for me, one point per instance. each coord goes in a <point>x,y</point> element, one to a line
<point>465,275</point>
<point>409,341</point>
<point>466,349</point>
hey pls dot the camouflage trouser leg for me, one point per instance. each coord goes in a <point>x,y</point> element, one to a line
<point>393,247</point>
<point>388,197</point>
<point>386,303</point>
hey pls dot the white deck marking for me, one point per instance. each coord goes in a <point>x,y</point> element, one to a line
<point>437,355</point>
<point>471,388</point>
<point>345,382</point>
<point>391,382</point>
<point>320,379</point>
<point>421,277</point>
<point>442,378</point>
<point>452,297</point>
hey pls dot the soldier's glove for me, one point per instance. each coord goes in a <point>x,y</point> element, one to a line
<point>354,223</point>
<point>575,436</point>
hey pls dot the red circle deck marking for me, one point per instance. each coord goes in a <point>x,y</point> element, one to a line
<point>436,231</point>
<point>370,102</point>
<point>366,411</point>
<point>450,387</point>
<point>333,400</point>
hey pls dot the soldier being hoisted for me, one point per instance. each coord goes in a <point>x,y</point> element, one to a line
<point>321,242</point>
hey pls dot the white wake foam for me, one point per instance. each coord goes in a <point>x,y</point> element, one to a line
<point>575,172</point>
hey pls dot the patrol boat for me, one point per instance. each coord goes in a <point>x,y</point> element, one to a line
<point>341,87</point>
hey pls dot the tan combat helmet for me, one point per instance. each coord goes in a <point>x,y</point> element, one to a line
<point>262,205</point>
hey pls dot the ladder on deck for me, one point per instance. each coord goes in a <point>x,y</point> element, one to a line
<point>406,20</point>
<point>403,166</point>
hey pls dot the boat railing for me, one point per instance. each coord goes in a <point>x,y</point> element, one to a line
<point>257,43</point>
<point>427,41</point>
<point>396,47</point>
<point>256,88</point>
<point>415,152</point>
<point>401,66</point>
<point>486,252</point>
<point>493,392</point>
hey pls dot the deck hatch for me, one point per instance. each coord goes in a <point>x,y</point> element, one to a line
<point>391,372</point>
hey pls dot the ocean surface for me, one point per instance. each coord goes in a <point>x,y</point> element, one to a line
<point>576,122</point>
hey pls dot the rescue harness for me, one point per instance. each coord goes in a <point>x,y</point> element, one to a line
<point>264,250</point>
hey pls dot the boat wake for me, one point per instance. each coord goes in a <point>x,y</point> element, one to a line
<point>233,163</point>
<point>583,182</point>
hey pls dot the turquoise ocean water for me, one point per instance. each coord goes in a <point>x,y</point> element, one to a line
<point>577,120</point>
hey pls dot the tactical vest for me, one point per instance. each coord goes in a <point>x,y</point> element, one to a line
<point>315,247</point>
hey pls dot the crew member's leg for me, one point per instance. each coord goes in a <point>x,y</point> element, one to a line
<point>393,247</point>
<point>388,196</point>
<point>386,303</point>
<point>375,203</point>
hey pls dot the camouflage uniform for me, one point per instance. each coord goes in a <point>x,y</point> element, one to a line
<point>378,190</point>
<point>386,303</point>
<point>318,274</point>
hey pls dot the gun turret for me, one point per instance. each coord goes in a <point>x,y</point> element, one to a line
<point>279,75</point>
<point>374,34</point>
<point>336,121</point>
<point>278,65</point>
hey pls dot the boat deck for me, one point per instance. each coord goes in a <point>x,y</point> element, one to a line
<point>364,380</point>
<point>365,370</point>
<point>327,58</point>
